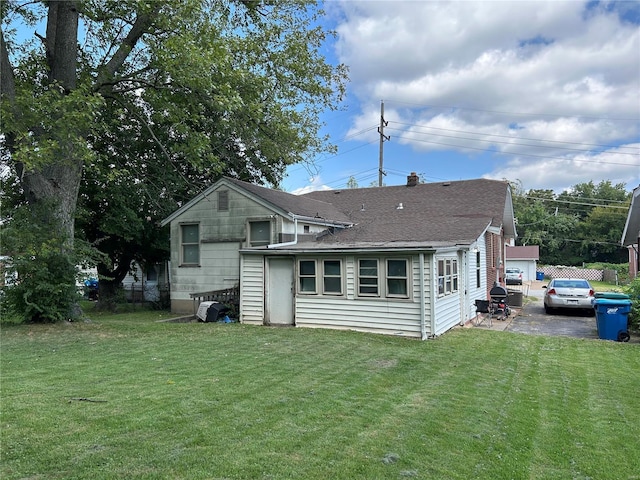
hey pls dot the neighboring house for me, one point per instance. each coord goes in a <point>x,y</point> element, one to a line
<point>140,284</point>
<point>525,258</point>
<point>406,260</point>
<point>631,233</point>
<point>146,284</point>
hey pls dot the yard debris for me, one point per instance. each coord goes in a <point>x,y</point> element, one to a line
<point>83,399</point>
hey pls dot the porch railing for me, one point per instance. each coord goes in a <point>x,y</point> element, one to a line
<point>227,296</point>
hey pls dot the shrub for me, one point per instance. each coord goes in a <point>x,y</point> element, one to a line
<point>633,290</point>
<point>44,291</point>
<point>622,269</point>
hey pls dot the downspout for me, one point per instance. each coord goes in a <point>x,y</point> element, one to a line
<point>423,312</point>
<point>434,296</point>
<point>295,235</point>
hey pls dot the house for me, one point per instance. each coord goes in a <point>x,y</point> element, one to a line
<point>407,260</point>
<point>525,258</point>
<point>631,233</point>
<point>146,283</point>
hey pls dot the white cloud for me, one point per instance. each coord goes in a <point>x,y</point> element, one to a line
<point>315,184</point>
<point>563,71</point>
<point>558,174</point>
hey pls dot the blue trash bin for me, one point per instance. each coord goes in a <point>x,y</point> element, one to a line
<point>539,275</point>
<point>611,318</point>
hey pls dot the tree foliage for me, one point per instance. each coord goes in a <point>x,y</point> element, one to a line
<point>124,109</point>
<point>581,225</point>
<point>42,281</point>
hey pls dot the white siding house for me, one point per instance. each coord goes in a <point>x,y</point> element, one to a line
<point>408,260</point>
<point>631,233</point>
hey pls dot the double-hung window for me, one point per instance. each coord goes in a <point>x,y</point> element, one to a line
<point>190,244</point>
<point>397,279</point>
<point>307,276</point>
<point>320,276</point>
<point>332,277</point>
<point>383,278</point>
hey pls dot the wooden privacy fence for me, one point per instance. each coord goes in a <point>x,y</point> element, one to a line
<point>228,296</point>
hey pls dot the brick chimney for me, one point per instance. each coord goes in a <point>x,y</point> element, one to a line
<point>412,180</point>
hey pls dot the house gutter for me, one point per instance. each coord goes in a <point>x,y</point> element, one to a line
<point>295,235</point>
<point>423,309</point>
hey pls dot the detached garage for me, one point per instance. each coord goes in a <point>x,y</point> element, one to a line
<point>524,258</point>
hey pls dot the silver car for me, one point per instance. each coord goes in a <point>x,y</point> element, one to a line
<point>513,276</point>
<point>573,293</point>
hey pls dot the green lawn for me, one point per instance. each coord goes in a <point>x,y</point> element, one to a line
<point>128,397</point>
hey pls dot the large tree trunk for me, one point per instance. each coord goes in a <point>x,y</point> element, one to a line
<point>62,43</point>
<point>59,182</point>
<point>109,285</point>
<point>58,185</point>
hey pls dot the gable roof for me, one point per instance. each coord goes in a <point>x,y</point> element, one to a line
<point>632,226</point>
<point>296,204</point>
<point>529,252</point>
<point>429,214</point>
<point>452,213</point>
<point>282,202</point>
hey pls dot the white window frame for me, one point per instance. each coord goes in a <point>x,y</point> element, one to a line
<point>448,275</point>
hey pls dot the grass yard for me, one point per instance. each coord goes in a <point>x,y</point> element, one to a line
<point>128,397</point>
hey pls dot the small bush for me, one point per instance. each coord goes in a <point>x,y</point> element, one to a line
<point>633,290</point>
<point>622,269</point>
<point>44,291</point>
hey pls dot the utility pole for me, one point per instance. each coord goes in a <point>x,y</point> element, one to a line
<point>383,137</point>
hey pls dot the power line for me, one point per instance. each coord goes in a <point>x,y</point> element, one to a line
<point>625,207</point>
<point>451,107</point>
<point>527,154</point>
<point>520,138</point>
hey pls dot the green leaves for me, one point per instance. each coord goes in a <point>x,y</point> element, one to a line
<point>581,225</point>
<point>166,98</point>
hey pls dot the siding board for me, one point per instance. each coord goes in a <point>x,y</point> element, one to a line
<point>252,290</point>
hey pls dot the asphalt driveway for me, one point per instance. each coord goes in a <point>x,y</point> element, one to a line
<point>532,319</point>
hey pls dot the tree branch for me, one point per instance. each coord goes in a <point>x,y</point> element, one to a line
<point>139,28</point>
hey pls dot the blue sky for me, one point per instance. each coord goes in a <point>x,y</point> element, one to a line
<point>545,93</point>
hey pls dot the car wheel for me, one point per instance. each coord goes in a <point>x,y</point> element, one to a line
<point>547,309</point>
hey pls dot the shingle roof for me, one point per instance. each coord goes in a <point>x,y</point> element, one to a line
<point>431,213</point>
<point>296,204</point>
<point>523,252</point>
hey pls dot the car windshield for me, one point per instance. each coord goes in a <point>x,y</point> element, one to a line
<point>571,284</point>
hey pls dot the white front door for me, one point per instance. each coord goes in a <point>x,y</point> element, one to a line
<point>279,291</point>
